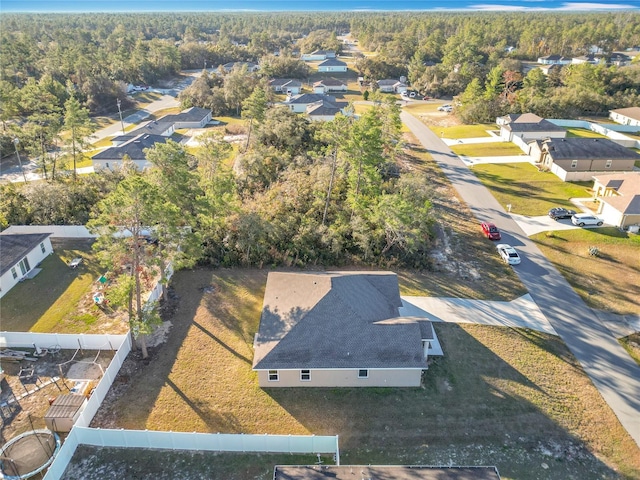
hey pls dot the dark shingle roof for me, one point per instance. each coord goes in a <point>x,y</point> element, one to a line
<point>335,320</point>
<point>154,127</point>
<point>330,82</point>
<point>323,109</point>
<point>134,148</point>
<point>193,114</point>
<point>587,148</point>
<point>14,248</point>
<point>387,472</point>
<point>281,82</point>
<point>332,62</point>
<point>306,98</point>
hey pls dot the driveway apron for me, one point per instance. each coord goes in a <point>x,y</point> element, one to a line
<point>611,369</point>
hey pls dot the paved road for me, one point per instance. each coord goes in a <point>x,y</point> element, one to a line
<point>611,369</point>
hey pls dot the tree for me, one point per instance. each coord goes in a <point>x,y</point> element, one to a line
<point>254,107</point>
<point>77,121</point>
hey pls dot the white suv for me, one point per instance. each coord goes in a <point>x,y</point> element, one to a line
<point>582,219</point>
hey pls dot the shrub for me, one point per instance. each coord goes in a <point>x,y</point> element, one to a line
<point>594,251</point>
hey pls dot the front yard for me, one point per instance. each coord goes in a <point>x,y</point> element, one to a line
<point>528,190</point>
<point>487,149</point>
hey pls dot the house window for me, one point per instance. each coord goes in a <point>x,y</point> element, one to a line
<point>24,266</point>
<point>574,163</point>
<point>363,373</point>
<point>608,164</point>
<point>305,375</point>
<point>273,376</point>
<point>13,272</point>
<point>44,250</point>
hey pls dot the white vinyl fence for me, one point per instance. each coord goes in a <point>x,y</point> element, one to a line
<point>613,132</point>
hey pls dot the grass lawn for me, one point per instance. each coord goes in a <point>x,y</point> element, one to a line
<point>51,302</point>
<point>418,108</point>
<point>608,281</point>
<point>487,149</point>
<point>529,191</point>
<point>506,397</point>
<point>632,345</point>
<point>465,131</point>
<point>583,133</point>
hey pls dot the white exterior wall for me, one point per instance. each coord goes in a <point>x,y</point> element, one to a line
<point>336,68</point>
<point>624,120</point>
<point>344,378</point>
<point>34,257</point>
<point>199,124</point>
<point>307,57</point>
<point>613,217</point>
<point>298,107</point>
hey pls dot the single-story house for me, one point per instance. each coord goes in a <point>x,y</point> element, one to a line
<point>154,127</point>
<point>194,117</point>
<point>391,86</point>
<point>19,255</point>
<point>299,103</point>
<point>332,65</point>
<point>111,158</point>
<point>626,116</point>
<point>528,126</point>
<point>339,329</point>
<point>618,197</point>
<point>329,85</point>
<point>590,58</point>
<point>251,67</point>
<point>554,60</point>
<point>546,69</point>
<point>286,85</point>
<point>619,59</point>
<point>387,472</point>
<point>318,55</point>
<point>578,159</point>
<point>324,110</point>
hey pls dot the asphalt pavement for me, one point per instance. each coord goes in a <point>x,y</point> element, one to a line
<point>611,369</point>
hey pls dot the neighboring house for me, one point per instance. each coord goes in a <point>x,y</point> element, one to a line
<point>324,110</point>
<point>626,116</point>
<point>339,329</point>
<point>591,58</point>
<point>528,126</point>
<point>546,69</point>
<point>251,67</point>
<point>111,158</point>
<point>194,117</point>
<point>619,198</point>
<point>286,85</point>
<point>619,59</point>
<point>299,103</point>
<point>19,255</point>
<point>332,65</point>
<point>329,85</point>
<point>154,127</point>
<point>391,86</point>
<point>578,159</point>
<point>318,55</point>
<point>386,472</point>
<point>554,60</point>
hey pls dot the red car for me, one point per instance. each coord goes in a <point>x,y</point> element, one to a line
<point>490,231</point>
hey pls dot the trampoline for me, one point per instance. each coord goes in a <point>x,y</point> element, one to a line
<point>28,454</point>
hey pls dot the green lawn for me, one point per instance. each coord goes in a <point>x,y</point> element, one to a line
<point>463,131</point>
<point>487,149</point>
<point>583,133</point>
<point>529,191</point>
<point>500,396</point>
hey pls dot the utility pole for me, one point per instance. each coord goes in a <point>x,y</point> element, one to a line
<point>120,112</point>
<point>15,143</point>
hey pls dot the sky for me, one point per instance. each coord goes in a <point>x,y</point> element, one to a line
<point>299,5</point>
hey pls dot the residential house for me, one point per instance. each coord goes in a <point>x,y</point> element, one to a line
<point>324,110</point>
<point>626,116</point>
<point>194,117</point>
<point>332,65</point>
<point>286,85</point>
<point>318,55</point>
<point>554,60</point>
<point>590,58</point>
<point>328,85</point>
<point>391,86</point>
<point>578,159</point>
<point>546,69</point>
<point>387,472</point>
<point>528,126</point>
<point>619,59</point>
<point>251,67</point>
<point>618,197</point>
<point>20,254</point>
<point>339,329</point>
<point>111,158</point>
<point>299,103</point>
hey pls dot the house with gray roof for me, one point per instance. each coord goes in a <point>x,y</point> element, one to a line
<point>332,65</point>
<point>386,472</point>
<point>554,60</point>
<point>194,117</point>
<point>318,55</point>
<point>286,85</point>
<point>111,158</point>
<point>20,254</point>
<point>618,197</point>
<point>299,103</point>
<point>579,159</point>
<point>528,126</point>
<point>339,329</point>
<point>626,116</point>
<point>391,86</point>
<point>327,85</point>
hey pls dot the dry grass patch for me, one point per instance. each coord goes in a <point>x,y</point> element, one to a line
<point>608,281</point>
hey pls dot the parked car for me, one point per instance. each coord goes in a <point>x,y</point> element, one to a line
<point>582,219</point>
<point>490,231</point>
<point>445,108</point>
<point>561,212</point>
<point>412,95</point>
<point>508,254</point>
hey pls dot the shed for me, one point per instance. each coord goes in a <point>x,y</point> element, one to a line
<point>64,411</point>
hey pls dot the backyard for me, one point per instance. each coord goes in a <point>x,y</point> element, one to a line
<point>507,397</point>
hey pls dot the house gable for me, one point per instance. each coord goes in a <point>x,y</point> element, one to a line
<point>15,247</point>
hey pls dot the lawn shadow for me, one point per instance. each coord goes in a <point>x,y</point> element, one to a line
<point>471,396</point>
